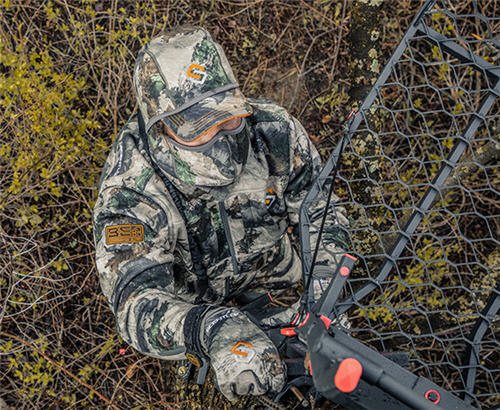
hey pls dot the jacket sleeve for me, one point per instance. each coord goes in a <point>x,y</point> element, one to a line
<point>134,232</point>
<point>305,166</point>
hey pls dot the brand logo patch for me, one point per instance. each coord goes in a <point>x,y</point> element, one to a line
<point>193,359</point>
<point>124,234</point>
<point>270,197</point>
<point>244,352</point>
<point>197,73</point>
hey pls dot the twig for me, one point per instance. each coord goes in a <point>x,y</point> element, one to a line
<point>53,362</point>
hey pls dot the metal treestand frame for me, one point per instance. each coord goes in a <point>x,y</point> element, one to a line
<point>423,151</point>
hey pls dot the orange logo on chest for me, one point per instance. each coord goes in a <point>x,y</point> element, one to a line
<point>270,197</point>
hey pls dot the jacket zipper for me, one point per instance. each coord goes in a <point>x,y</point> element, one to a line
<point>229,238</point>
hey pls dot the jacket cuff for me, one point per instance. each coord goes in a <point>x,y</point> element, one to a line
<point>193,333</point>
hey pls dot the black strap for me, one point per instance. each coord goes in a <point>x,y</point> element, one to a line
<point>199,270</point>
<point>192,329</point>
<point>192,340</point>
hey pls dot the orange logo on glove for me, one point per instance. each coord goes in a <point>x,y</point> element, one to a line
<point>241,352</point>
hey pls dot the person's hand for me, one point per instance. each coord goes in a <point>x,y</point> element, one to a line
<point>244,359</point>
<point>319,284</point>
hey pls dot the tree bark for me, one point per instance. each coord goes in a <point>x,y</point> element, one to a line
<point>364,33</point>
<point>364,69</point>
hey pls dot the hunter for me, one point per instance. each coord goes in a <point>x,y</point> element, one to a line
<point>197,215</point>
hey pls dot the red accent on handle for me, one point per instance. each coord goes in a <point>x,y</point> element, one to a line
<point>270,297</point>
<point>344,271</point>
<point>350,256</point>
<point>288,331</point>
<point>326,321</point>
<point>295,318</point>
<point>351,113</point>
<point>305,320</point>
<point>310,367</point>
<point>427,394</point>
<point>348,375</point>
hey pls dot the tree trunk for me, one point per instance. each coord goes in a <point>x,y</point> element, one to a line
<point>364,68</point>
<point>364,32</point>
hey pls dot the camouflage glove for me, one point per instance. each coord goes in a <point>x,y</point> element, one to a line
<point>244,359</point>
<point>322,275</point>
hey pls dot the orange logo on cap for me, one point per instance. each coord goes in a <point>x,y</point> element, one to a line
<point>197,72</point>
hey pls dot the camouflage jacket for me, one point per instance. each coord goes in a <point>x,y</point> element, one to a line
<point>142,253</point>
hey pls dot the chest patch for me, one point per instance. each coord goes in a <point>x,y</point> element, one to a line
<point>270,197</point>
<point>124,234</point>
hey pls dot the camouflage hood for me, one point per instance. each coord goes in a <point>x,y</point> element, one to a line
<point>207,168</point>
<point>184,84</point>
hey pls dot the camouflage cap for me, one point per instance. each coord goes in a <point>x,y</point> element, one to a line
<point>183,78</point>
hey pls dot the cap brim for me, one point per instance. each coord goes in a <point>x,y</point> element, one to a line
<point>195,121</point>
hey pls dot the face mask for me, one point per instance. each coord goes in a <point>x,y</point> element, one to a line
<point>217,163</point>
